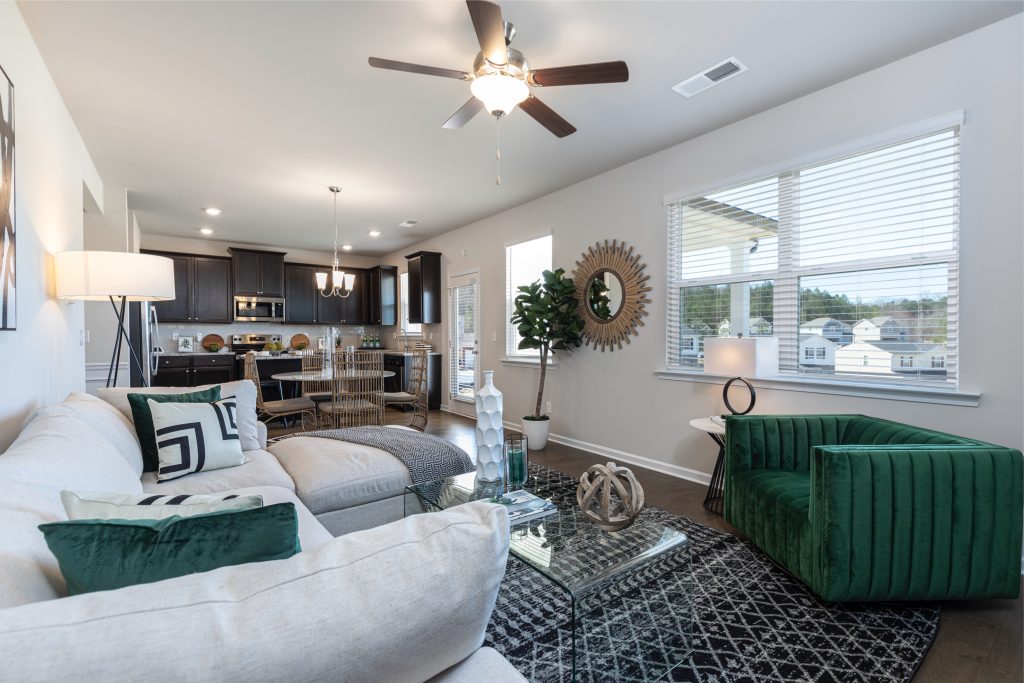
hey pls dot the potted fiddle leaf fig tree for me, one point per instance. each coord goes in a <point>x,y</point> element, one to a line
<point>547,320</point>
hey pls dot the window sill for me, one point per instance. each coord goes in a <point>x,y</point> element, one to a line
<point>837,387</point>
<point>526,362</point>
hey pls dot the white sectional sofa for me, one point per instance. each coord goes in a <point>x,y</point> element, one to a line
<point>405,601</point>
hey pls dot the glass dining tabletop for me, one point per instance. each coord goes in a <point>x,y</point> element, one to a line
<point>327,375</point>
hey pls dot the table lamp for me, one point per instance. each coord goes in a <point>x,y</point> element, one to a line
<point>739,357</point>
<point>103,275</point>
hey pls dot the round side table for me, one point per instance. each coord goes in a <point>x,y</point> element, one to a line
<point>715,497</point>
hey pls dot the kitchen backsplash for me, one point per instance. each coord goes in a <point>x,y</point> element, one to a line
<point>350,334</point>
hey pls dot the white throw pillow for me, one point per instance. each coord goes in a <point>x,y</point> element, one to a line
<point>242,390</point>
<point>90,505</point>
<point>195,437</point>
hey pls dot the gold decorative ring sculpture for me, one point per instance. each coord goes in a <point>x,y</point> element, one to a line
<point>612,290</point>
<point>610,496</point>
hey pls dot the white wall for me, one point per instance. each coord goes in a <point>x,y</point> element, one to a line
<point>614,400</point>
<point>42,360</point>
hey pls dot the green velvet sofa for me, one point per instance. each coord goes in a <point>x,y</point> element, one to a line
<point>864,509</point>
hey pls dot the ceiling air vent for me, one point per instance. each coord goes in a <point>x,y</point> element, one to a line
<point>722,71</point>
<point>408,224</point>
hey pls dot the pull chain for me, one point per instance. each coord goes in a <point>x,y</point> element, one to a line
<point>497,153</point>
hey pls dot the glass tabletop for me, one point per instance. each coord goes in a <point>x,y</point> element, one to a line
<point>563,546</point>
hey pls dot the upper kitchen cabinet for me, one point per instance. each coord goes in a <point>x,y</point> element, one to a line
<point>258,273</point>
<point>211,290</point>
<point>300,293</point>
<point>424,287</point>
<point>382,295</point>
<point>202,288</point>
<point>350,310</point>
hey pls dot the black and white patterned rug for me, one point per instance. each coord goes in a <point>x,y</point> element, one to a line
<point>751,622</point>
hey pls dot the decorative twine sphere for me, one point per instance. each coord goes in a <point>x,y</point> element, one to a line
<point>610,496</point>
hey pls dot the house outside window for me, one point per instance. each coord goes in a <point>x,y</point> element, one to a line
<point>524,264</point>
<point>856,248</point>
<point>414,329</point>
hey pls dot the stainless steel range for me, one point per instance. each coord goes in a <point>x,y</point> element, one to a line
<point>241,343</point>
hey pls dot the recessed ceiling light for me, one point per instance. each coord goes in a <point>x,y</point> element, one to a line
<point>375,233</point>
<point>408,223</point>
<point>212,211</point>
<point>206,231</point>
<point>347,247</point>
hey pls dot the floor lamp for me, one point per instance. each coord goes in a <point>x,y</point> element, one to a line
<point>120,277</point>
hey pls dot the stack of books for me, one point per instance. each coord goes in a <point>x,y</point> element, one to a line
<point>523,506</point>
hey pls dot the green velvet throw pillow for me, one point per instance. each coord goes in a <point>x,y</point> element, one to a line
<point>143,419</point>
<point>104,554</point>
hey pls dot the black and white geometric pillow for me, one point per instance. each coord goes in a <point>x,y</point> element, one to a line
<point>95,505</point>
<point>195,437</point>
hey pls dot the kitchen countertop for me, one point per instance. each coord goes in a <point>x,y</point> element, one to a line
<point>389,352</point>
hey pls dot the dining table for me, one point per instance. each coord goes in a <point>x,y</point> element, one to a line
<point>327,375</point>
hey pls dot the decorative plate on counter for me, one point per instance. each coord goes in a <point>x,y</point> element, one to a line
<point>211,339</point>
<point>299,341</point>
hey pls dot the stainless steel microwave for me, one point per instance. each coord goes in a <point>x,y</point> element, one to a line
<point>259,309</point>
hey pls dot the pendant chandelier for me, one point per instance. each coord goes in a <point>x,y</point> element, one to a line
<point>341,282</point>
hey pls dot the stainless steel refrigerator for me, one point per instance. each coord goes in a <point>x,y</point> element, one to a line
<point>144,329</point>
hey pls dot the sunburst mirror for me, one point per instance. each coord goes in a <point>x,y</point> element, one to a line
<point>612,289</point>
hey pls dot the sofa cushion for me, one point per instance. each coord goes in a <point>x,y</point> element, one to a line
<point>109,421</point>
<point>483,665</point>
<point>363,608</point>
<point>261,469</point>
<point>58,450</point>
<point>107,554</point>
<point>28,570</point>
<point>243,390</point>
<point>333,475</point>
<point>776,512</point>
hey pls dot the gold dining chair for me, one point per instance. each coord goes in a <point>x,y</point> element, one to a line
<point>358,390</point>
<point>317,391</point>
<point>415,394</point>
<point>285,408</point>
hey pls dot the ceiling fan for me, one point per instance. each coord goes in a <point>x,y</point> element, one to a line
<point>501,78</point>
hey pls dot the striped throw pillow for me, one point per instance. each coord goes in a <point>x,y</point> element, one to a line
<point>93,505</point>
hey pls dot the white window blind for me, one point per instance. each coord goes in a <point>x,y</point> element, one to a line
<point>414,329</point>
<point>462,337</point>
<point>524,264</point>
<point>850,262</point>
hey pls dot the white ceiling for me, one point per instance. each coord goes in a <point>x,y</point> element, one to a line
<point>255,107</point>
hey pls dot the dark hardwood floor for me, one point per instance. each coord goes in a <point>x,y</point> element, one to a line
<point>979,641</point>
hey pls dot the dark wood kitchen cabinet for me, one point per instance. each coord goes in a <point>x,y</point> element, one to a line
<point>424,287</point>
<point>348,311</point>
<point>194,371</point>
<point>300,293</point>
<point>382,295</point>
<point>258,273</point>
<point>211,290</point>
<point>202,289</point>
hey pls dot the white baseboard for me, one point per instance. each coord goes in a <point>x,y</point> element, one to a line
<point>96,376</point>
<point>614,454</point>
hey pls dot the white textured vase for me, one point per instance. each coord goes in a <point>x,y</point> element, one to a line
<point>490,434</point>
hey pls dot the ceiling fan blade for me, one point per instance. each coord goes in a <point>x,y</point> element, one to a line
<point>418,69</point>
<point>546,116</point>
<point>490,30</point>
<point>464,114</point>
<point>582,74</point>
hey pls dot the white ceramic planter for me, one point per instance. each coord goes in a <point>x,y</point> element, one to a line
<point>490,432</point>
<point>536,433</point>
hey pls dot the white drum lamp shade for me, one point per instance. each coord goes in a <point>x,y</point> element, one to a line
<point>99,275</point>
<point>741,357</point>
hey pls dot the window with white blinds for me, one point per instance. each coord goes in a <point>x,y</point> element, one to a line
<point>851,262</point>
<point>463,337</point>
<point>525,262</point>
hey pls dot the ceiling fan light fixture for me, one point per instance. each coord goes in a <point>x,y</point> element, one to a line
<point>500,93</point>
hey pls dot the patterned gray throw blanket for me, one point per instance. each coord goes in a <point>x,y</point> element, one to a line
<point>427,457</point>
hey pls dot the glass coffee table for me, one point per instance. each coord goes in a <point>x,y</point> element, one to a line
<point>601,572</point>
